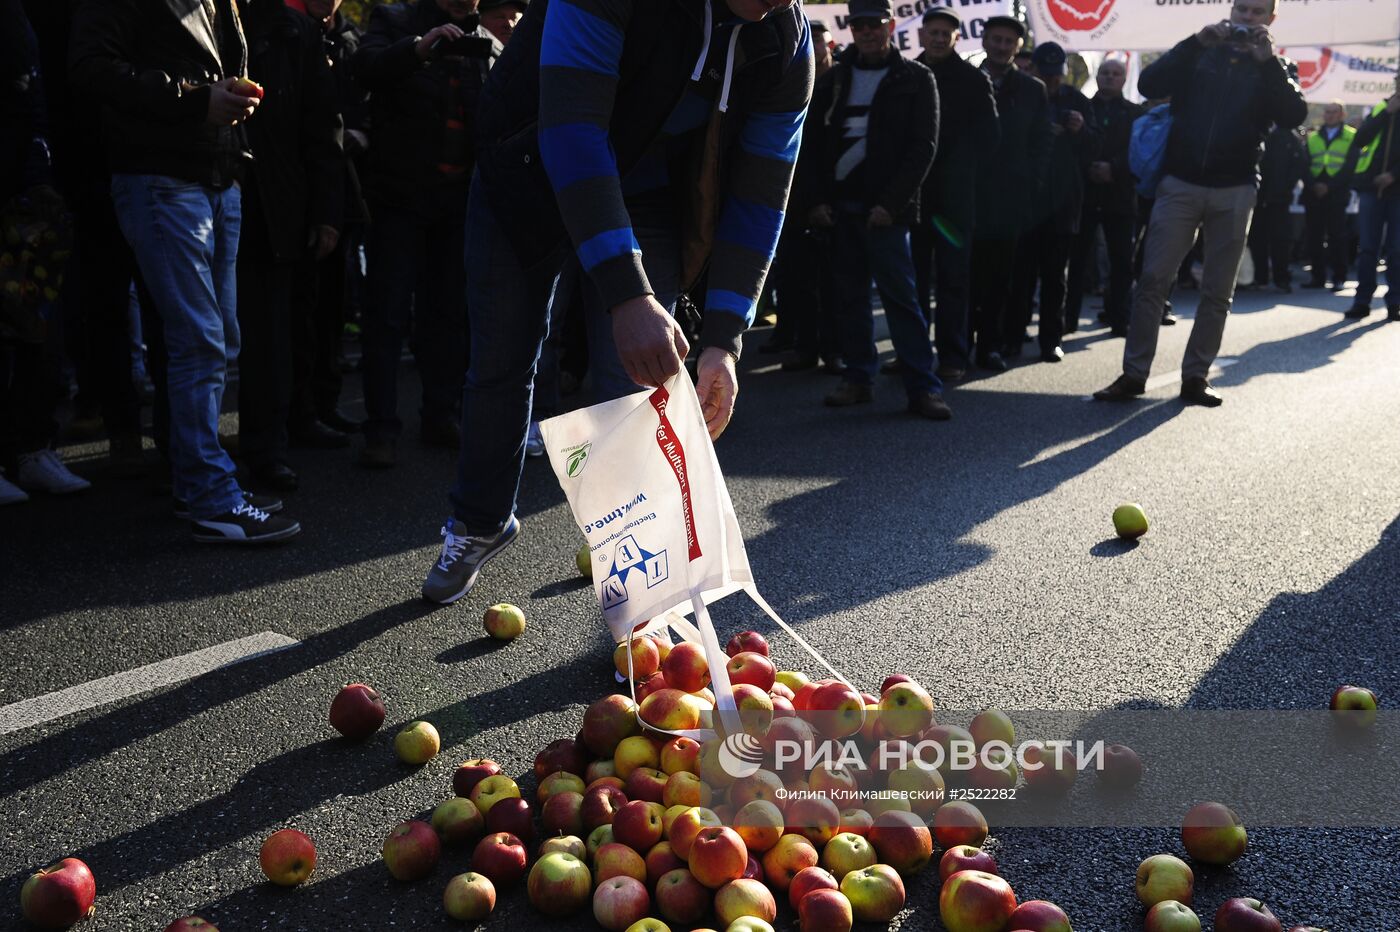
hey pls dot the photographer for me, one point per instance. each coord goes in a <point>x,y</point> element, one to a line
<point>1227,86</point>
<point>423,64</point>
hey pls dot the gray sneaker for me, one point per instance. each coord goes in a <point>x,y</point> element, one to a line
<point>456,568</point>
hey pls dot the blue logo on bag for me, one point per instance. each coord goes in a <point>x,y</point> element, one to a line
<point>628,555</point>
<point>1147,152</point>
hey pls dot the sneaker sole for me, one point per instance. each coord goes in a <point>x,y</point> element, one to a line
<point>208,538</point>
<point>471,580</point>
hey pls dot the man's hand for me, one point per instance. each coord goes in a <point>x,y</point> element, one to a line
<point>878,217</point>
<point>1261,44</point>
<point>423,48</point>
<point>718,387</point>
<point>322,241</point>
<point>1214,34</point>
<point>1074,121</point>
<point>821,216</point>
<point>225,107</point>
<point>1319,189</point>
<point>1383,181</point>
<point>648,339</point>
<point>1100,172</point>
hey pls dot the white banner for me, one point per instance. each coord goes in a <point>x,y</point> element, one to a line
<point>1081,25</point>
<point>1353,74</point>
<point>908,17</point>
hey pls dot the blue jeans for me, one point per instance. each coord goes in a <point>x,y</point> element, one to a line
<point>1379,226</point>
<point>863,252</point>
<point>185,239</point>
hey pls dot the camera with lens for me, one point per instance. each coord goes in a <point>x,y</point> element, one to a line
<point>467,46</point>
<point>1239,33</point>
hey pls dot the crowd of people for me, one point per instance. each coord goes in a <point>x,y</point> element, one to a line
<point>531,194</point>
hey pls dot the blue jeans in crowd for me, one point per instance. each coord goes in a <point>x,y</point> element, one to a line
<point>185,239</point>
<point>1378,224</point>
<point>882,253</point>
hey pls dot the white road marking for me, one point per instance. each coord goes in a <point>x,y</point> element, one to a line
<point>46,708</point>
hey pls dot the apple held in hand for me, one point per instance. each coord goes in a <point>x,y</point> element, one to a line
<point>1245,914</point>
<point>965,858</point>
<point>417,743</point>
<point>1039,916</point>
<point>288,857</point>
<point>245,87</point>
<point>469,897</point>
<point>1171,916</point>
<point>972,901</point>
<point>876,893</point>
<point>1129,521</point>
<point>61,894</point>
<point>411,851</point>
<point>1164,877</point>
<point>357,711</point>
<point>1355,706</point>
<point>504,622</point>
<point>1213,834</point>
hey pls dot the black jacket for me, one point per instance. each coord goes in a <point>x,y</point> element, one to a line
<point>341,42</point>
<point>1284,164</point>
<point>298,164</point>
<point>1223,103</point>
<point>1011,176</point>
<point>1113,117</point>
<point>901,134</point>
<point>1383,131</point>
<point>967,130</point>
<point>150,64</point>
<point>1062,197</point>
<point>410,101</point>
<point>24,153</point>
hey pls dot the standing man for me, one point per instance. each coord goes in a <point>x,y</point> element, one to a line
<point>1009,180</point>
<point>1043,254</point>
<point>1284,164</point>
<point>1227,87</point>
<point>499,17</point>
<point>877,130</point>
<point>423,63</point>
<point>942,239</point>
<point>1325,199</point>
<point>656,139</point>
<point>1373,168</point>
<point>1109,202</point>
<point>173,108</point>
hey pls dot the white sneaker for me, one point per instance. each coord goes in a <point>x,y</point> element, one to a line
<point>42,470</point>
<point>11,494</point>
<point>534,441</point>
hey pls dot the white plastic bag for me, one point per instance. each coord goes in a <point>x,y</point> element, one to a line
<point>642,480</point>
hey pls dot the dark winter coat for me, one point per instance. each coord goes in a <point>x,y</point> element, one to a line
<point>967,130</point>
<point>1284,164</point>
<point>1113,117</point>
<point>1062,198</point>
<point>1011,177</point>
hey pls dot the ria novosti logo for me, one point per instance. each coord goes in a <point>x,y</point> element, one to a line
<point>1079,15</point>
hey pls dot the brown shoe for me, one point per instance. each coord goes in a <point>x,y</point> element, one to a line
<point>930,405</point>
<point>951,373</point>
<point>1199,392</point>
<point>850,393</point>
<point>1124,388</point>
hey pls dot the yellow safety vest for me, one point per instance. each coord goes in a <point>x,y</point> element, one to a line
<point>1364,162</point>
<point>1328,157</point>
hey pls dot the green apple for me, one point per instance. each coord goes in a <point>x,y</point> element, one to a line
<point>504,622</point>
<point>1130,521</point>
<point>417,743</point>
<point>584,560</point>
<point>1164,877</point>
<point>1171,916</point>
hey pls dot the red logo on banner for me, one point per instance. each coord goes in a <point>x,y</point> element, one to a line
<point>1079,15</point>
<point>675,455</point>
<point>1312,67</point>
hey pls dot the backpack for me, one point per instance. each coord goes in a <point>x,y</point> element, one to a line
<point>1147,152</point>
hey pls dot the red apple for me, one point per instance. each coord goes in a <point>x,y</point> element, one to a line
<point>647,784</point>
<point>856,821</point>
<point>1245,914</point>
<point>760,823</point>
<point>781,690</point>
<point>661,860</point>
<point>876,893</point>
<point>785,860</point>
<point>288,857</point>
<point>902,841</point>
<point>1164,877</point>
<point>825,911</point>
<point>616,860</point>
<point>965,858</point>
<point>245,87</point>
<point>680,754</point>
<point>357,711</point>
<point>1213,834</point>
<point>753,869</point>
<point>685,667</point>
<point>972,901</point>
<point>1039,916</point>
<point>686,789</point>
<point>802,695</point>
<point>619,902</point>
<point>1171,916</point>
<point>501,858</point>
<point>893,679</point>
<point>682,899</point>
<point>191,924</point>
<point>651,684</point>
<point>808,880</point>
<point>837,710</point>
<point>672,710</point>
<point>813,817</point>
<point>412,850</point>
<point>717,856</point>
<point>761,784</point>
<point>563,814</point>
<point>1355,706</point>
<point>563,756</point>
<point>747,641</point>
<point>469,773</point>
<point>740,898</point>
<point>607,722</point>
<point>638,824</point>
<point>1049,772</point>
<point>514,817</point>
<point>600,806</point>
<point>646,658</point>
<point>559,885</point>
<point>905,709</point>
<point>686,826</point>
<point>469,897</point>
<point>61,894</point>
<point>457,821</point>
<point>959,823</point>
<point>1122,768</point>
<point>752,668</point>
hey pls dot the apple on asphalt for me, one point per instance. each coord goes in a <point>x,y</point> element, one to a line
<point>1245,914</point>
<point>973,901</point>
<point>501,858</point>
<point>559,885</point>
<point>469,773</point>
<point>1039,916</point>
<point>965,858</point>
<point>902,840</point>
<point>417,743</point>
<point>491,791</point>
<point>846,853</point>
<point>191,924</point>
<point>1355,706</point>
<point>607,721</point>
<point>569,844</point>
<point>1171,916</point>
<point>504,622</point>
<point>61,894</point>
<point>617,860</point>
<point>743,897</point>
<point>357,711</point>
<point>1213,834</point>
<point>1121,769</point>
<point>469,897</point>
<point>288,857</point>
<point>717,856</point>
<point>876,893</point>
<point>565,755</point>
<point>512,815</point>
<point>682,899</point>
<point>809,880</point>
<point>411,851</point>
<point>620,902</point>
<point>788,858</point>
<point>959,822</point>
<point>1164,877</point>
<point>458,821</point>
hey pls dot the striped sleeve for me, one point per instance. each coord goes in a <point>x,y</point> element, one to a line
<point>751,215</point>
<point>579,55</point>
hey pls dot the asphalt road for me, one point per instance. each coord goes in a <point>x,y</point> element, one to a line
<point>975,555</point>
